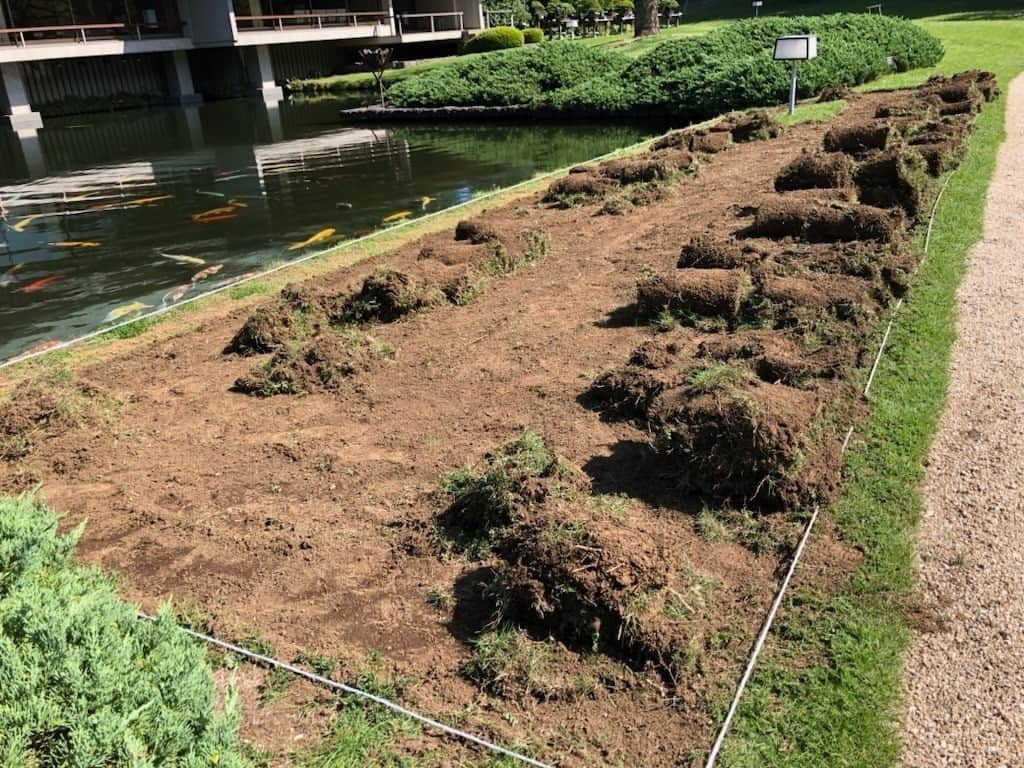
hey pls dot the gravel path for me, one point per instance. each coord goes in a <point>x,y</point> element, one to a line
<point>964,685</point>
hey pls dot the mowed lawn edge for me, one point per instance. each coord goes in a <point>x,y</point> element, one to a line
<point>828,689</point>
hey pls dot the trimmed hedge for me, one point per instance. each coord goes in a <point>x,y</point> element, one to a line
<point>494,39</point>
<point>83,682</point>
<point>693,77</point>
<point>533,35</point>
<point>503,78</point>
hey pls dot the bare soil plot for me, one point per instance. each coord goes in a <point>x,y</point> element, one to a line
<point>644,370</point>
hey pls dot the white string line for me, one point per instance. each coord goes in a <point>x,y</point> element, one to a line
<point>328,683</point>
<point>770,619</point>
<point>327,251</point>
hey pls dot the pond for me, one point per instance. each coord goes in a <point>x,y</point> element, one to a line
<point>105,218</point>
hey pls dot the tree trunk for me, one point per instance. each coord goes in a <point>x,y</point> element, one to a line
<point>646,23</point>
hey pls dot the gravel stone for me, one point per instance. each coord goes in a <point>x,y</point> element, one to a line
<point>964,683</point>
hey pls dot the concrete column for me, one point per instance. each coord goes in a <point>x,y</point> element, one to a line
<point>14,105</point>
<point>261,73</point>
<point>179,78</point>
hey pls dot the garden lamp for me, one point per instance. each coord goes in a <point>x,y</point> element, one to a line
<point>795,48</point>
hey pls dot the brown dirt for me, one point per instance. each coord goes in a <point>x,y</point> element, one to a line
<point>857,138</point>
<point>290,514</point>
<point>711,292</point>
<point>833,222</point>
<point>706,252</point>
<point>816,170</point>
<point>896,177</point>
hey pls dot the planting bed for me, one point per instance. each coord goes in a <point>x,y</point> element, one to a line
<point>549,464</point>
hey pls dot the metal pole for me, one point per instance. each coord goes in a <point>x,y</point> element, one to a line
<point>792,90</point>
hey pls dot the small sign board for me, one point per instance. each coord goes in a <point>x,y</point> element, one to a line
<point>572,23</point>
<point>758,3</point>
<point>796,48</point>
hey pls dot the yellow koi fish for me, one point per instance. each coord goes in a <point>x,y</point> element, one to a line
<point>76,244</point>
<point>148,200</point>
<point>214,213</point>
<point>182,258</point>
<point>394,218</point>
<point>124,310</point>
<point>237,203</point>
<point>21,225</point>
<point>425,201</point>
<point>205,273</point>
<point>319,237</point>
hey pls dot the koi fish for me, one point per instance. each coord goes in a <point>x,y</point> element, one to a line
<point>21,225</point>
<point>205,273</point>
<point>425,201</point>
<point>124,310</point>
<point>8,277</point>
<point>214,213</point>
<point>182,258</point>
<point>237,203</point>
<point>148,200</point>
<point>76,244</point>
<point>210,194</point>
<point>344,206</point>
<point>236,177</point>
<point>396,217</point>
<point>221,217</point>
<point>176,294</point>
<point>319,237</point>
<point>37,285</point>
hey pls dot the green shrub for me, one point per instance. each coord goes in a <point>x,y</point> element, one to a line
<point>689,77</point>
<point>83,682</point>
<point>533,35</point>
<point>521,76</point>
<point>495,39</point>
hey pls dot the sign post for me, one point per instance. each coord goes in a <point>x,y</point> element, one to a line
<point>795,48</point>
<point>757,7</point>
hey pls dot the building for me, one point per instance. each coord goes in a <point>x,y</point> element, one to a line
<point>63,54</point>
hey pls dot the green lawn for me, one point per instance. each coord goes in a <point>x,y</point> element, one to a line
<point>827,692</point>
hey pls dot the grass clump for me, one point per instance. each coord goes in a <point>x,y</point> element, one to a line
<point>85,682</point>
<point>482,501</point>
<point>719,377</point>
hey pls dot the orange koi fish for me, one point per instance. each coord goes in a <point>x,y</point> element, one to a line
<point>177,294</point>
<point>76,244</point>
<point>37,285</point>
<point>208,272</point>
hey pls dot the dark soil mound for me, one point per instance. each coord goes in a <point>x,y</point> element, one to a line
<point>925,108</point>
<point>678,159</point>
<point>740,442</point>
<point>707,252</point>
<point>268,328</point>
<point>324,363</point>
<point>644,169</point>
<point>835,93</point>
<point>774,358</point>
<point>707,292</point>
<point>817,170</point>
<point>858,138</point>
<point>895,177</point>
<point>475,231</point>
<point>711,142</point>
<point>587,581</point>
<point>967,107</point>
<point>577,188</point>
<point>832,222</point>
<point>44,407</point>
<point>847,298</point>
<point>756,126</point>
<point>385,296</point>
<point>629,392</point>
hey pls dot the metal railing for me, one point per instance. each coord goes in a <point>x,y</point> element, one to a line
<point>280,23</point>
<point>414,23</point>
<point>80,32</point>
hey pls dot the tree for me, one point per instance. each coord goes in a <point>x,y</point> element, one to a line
<point>376,60</point>
<point>646,23</point>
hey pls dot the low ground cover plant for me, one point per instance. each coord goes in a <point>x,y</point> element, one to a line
<point>691,77</point>
<point>82,680</point>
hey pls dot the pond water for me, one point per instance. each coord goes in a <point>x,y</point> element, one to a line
<point>104,218</point>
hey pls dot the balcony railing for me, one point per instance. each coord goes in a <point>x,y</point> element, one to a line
<point>309,21</point>
<point>82,33</point>
<point>413,23</point>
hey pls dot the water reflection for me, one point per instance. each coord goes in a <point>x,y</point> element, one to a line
<point>132,210</point>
